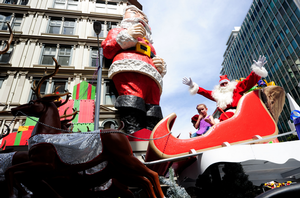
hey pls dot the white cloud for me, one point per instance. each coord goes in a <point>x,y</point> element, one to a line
<point>191,37</point>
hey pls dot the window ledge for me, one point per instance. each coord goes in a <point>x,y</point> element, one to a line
<point>14,5</point>
<point>5,64</point>
<point>52,66</point>
<point>60,35</point>
<point>107,14</point>
<point>58,9</point>
<point>95,37</point>
<point>14,32</point>
<point>90,68</point>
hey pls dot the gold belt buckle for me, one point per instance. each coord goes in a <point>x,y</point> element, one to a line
<point>143,49</point>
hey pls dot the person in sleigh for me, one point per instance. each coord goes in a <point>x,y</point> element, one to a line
<point>228,93</point>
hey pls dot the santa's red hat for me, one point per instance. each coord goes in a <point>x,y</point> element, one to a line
<point>223,79</point>
<point>195,118</point>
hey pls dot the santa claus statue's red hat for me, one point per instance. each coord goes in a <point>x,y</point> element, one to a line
<point>223,79</point>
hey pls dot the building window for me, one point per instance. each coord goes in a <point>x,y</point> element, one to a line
<point>16,2</point>
<point>5,58</point>
<point>14,20</point>
<point>47,54</point>
<point>45,84</point>
<point>62,54</point>
<point>110,93</point>
<point>111,25</point>
<point>1,81</point>
<point>61,26</point>
<point>106,6</point>
<point>66,4</point>
<point>94,57</point>
<point>58,86</point>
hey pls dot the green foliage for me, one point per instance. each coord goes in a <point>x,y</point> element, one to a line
<point>174,191</point>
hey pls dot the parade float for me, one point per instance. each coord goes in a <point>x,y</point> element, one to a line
<point>246,138</point>
<point>242,139</point>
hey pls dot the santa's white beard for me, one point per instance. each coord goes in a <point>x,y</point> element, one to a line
<point>127,23</point>
<point>224,95</point>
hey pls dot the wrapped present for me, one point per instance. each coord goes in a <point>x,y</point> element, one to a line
<point>69,106</point>
<point>31,121</point>
<point>18,138</point>
<point>83,91</point>
<point>86,111</point>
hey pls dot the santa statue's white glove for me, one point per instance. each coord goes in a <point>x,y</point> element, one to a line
<point>261,61</point>
<point>136,31</point>
<point>160,65</point>
<point>188,82</point>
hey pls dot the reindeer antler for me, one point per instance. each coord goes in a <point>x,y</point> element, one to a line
<point>37,88</point>
<point>65,102</point>
<point>75,112</point>
<point>6,48</point>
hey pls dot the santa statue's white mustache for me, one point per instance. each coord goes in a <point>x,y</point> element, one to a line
<point>138,20</point>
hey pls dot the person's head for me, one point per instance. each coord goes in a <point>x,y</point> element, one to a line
<point>223,92</point>
<point>223,82</point>
<point>194,119</point>
<point>202,109</point>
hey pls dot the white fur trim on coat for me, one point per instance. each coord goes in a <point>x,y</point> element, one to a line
<point>132,65</point>
<point>125,40</point>
<point>261,71</point>
<point>193,90</point>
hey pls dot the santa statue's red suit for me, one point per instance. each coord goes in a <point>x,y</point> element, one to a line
<point>136,71</point>
<point>227,94</point>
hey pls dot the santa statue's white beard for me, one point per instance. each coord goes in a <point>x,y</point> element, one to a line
<point>127,23</point>
<point>224,95</point>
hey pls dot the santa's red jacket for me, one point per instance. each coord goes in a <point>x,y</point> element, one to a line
<point>118,46</point>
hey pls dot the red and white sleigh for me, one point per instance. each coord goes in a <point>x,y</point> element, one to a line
<point>255,118</point>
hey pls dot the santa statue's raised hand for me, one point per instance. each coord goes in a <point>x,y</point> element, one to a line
<point>188,82</point>
<point>261,61</point>
<point>137,30</point>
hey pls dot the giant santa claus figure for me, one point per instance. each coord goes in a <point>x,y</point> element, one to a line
<point>136,71</point>
<point>227,94</point>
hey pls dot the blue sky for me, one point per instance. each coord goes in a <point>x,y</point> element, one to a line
<point>191,36</point>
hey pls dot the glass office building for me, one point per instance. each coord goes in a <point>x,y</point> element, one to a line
<point>271,28</point>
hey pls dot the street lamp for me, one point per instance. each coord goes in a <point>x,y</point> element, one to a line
<point>97,29</point>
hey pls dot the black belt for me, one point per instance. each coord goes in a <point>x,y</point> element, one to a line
<point>229,108</point>
<point>143,49</point>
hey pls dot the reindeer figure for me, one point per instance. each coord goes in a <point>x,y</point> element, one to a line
<point>10,158</point>
<point>44,161</point>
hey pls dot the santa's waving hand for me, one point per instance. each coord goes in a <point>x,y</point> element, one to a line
<point>228,93</point>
